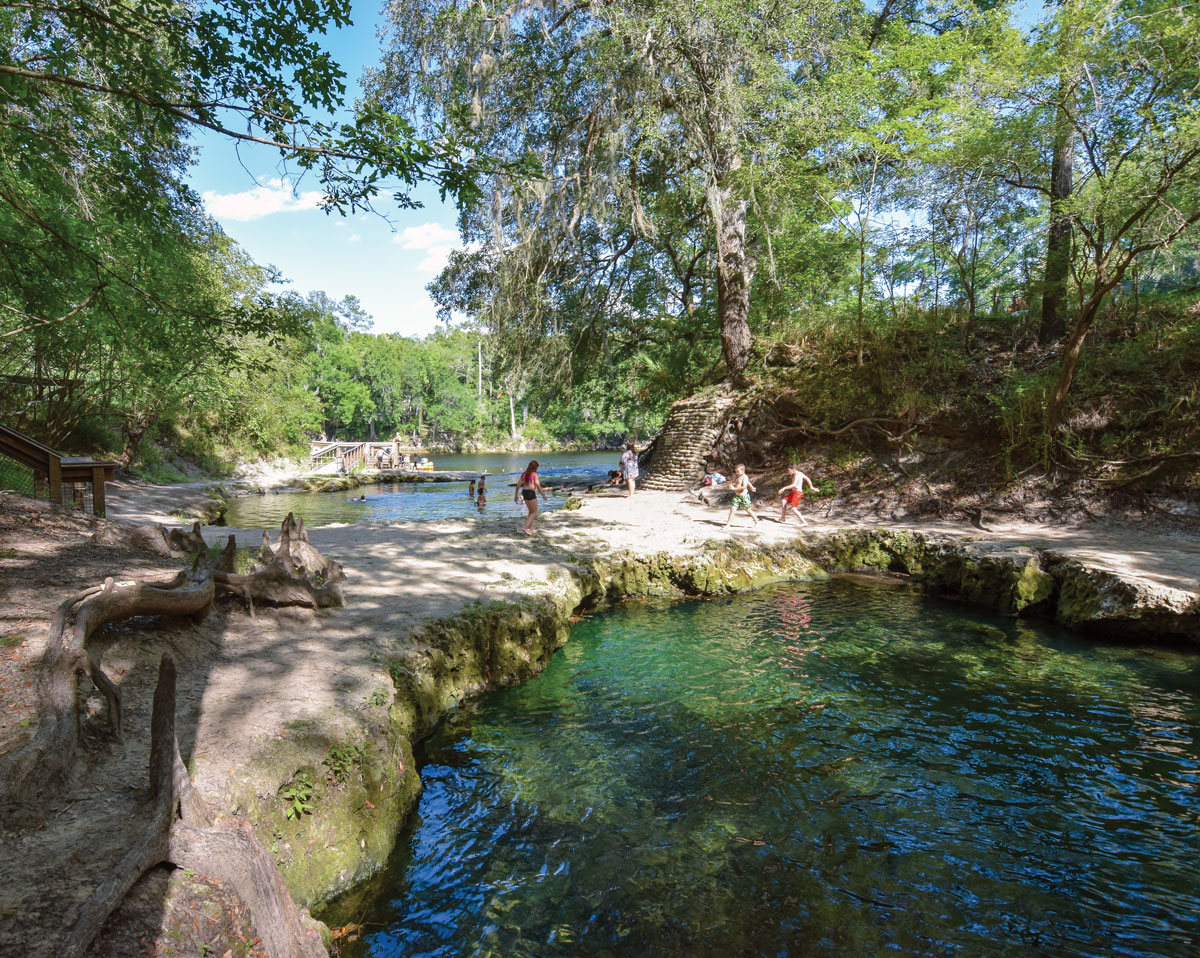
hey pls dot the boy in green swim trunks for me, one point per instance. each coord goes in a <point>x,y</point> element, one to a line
<point>742,487</point>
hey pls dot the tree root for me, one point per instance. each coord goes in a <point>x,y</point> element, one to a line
<point>297,574</point>
<point>51,752</point>
<point>229,852</point>
<point>294,573</point>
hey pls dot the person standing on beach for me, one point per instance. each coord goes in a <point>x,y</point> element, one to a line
<point>793,492</point>
<point>528,487</point>
<point>629,467</point>
<point>742,487</point>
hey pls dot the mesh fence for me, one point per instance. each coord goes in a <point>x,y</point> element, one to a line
<point>78,494</point>
<point>24,480</point>
<point>18,477</point>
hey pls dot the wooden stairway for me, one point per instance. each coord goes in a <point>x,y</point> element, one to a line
<point>60,478</point>
<point>682,448</point>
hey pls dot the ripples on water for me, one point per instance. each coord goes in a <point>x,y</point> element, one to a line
<point>827,769</point>
<point>419,501</point>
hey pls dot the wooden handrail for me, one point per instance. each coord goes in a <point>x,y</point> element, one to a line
<point>57,468</point>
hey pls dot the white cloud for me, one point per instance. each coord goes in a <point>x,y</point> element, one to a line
<point>353,238</point>
<point>436,241</point>
<point>427,235</point>
<point>270,196</point>
<point>417,317</point>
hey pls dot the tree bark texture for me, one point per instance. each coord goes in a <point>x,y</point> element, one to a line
<point>734,272</point>
<point>1058,238</point>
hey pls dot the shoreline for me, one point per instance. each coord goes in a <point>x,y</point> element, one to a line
<point>439,612</point>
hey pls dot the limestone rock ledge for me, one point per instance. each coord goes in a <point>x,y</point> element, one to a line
<point>1021,580</point>
<point>359,769</point>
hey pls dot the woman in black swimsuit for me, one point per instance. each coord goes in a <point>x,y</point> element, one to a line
<point>528,487</point>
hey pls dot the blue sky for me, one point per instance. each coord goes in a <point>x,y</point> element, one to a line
<point>385,264</point>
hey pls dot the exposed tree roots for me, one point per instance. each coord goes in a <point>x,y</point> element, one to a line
<point>178,825</point>
<point>179,831</point>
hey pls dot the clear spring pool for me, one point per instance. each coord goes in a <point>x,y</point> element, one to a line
<point>823,769</point>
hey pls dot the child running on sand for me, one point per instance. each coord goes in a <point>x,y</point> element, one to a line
<point>793,492</point>
<point>742,487</point>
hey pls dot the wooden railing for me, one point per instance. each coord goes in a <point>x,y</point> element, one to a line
<point>65,480</point>
<point>347,456</point>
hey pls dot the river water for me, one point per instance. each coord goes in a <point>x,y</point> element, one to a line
<point>823,769</point>
<point>412,501</point>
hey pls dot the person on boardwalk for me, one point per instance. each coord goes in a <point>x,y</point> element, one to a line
<point>793,492</point>
<point>629,467</point>
<point>528,487</point>
<point>742,487</point>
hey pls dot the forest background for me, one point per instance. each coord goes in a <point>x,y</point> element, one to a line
<point>966,220</point>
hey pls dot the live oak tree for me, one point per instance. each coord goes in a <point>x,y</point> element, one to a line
<point>599,96</point>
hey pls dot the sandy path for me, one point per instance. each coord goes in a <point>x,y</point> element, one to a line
<point>465,560</point>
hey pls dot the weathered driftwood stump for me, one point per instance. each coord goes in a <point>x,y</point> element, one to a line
<point>169,541</point>
<point>296,574</point>
<point>51,752</point>
<point>229,852</point>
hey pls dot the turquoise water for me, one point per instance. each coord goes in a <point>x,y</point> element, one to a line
<point>417,501</point>
<point>826,769</point>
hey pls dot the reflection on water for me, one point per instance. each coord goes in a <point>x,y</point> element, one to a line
<point>828,769</point>
<point>409,501</point>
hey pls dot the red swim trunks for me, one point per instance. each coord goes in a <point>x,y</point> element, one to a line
<point>793,498</point>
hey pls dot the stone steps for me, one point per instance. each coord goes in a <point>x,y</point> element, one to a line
<point>685,442</point>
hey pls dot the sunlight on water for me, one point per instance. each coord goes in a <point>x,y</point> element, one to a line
<point>825,769</point>
<point>418,501</point>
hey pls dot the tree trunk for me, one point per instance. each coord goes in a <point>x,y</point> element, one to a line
<point>1058,239</point>
<point>862,282</point>
<point>734,271</point>
<point>1070,356</point>
<point>229,852</point>
<point>512,417</point>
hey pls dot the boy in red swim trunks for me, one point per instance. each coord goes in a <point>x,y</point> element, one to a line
<point>793,492</point>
